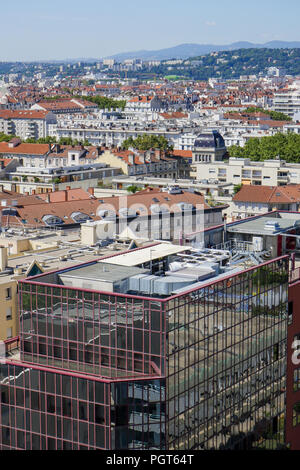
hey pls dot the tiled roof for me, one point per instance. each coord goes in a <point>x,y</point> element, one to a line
<point>32,208</point>
<point>30,149</point>
<point>268,194</point>
<point>23,114</point>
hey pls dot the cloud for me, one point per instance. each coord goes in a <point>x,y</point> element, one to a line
<point>210,23</point>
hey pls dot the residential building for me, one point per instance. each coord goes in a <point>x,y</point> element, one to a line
<point>287,101</point>
<point>26,123</point>
<point>257,200</point>
<point>245,171</point>
<point>135,162</point>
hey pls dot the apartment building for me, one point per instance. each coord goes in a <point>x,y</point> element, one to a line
<point>287,101</point>
<point>245,171</point>
<point>66,106</point>
<point>257,200</point>
<point>26,123</point>
<point>153,214</point>
<point>140,104</point>
<point>134,162</point>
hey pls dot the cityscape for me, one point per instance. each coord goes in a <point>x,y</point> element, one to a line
<point>150,231</point>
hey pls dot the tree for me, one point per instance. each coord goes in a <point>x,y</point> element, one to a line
<point>133,188</point>
<point>147,142</point>
<point>5,137</point>
<point>237,188</point>
<point>283,146</point>
<point>276,115</point>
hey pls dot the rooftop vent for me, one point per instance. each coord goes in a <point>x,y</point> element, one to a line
<point>272,225</point>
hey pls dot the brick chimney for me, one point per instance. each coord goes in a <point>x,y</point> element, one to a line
<point>91,191</point>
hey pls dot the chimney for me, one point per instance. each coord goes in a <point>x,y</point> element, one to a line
<point>68,188</point>
<point>3,258</point>
<point>91,191</point>
<point>65,195</point>
<point>1,188</point>
<point>47,199</point>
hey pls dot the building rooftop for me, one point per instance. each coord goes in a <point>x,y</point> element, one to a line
<point>145,255</point>
<point>103,271</point>
<point>265,226</point>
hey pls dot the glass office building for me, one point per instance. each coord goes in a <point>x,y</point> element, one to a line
<point>203,368</point>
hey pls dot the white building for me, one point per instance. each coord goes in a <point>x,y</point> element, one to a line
<point>26,123</point>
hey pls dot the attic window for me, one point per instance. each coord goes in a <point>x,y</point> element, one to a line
<point>278,194</point>
<point>155,199</point>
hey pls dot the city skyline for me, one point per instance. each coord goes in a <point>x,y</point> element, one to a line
<point>96,29</point>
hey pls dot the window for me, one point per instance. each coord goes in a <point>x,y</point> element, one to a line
<point>9,333</point>
<point>8,293</point>
<point>296,413</point>
<point>9,313</point>
<point>290,312</point>
<point>296,379</point>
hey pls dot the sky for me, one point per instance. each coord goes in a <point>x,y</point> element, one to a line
<point>62,29</point>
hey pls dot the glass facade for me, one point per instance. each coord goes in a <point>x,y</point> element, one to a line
<point>107,335</point>
<point>203,369</point>
<point>46,410</point>
<point>227,360</point>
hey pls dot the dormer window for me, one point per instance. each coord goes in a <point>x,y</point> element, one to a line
<point>52,220</point>
<point>79,217</point>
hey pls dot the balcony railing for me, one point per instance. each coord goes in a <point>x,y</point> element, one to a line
<point>11,345</point>
<point>294,275</point>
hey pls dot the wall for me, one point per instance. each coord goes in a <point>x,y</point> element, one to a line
<point>5,304</point>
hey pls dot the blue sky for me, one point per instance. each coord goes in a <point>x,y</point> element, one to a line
<point>59,29</point>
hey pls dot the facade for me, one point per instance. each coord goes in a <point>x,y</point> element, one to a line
<point>245,171</point>
<point>134,162</point>
<point>287,102</point>
<point>258,200</point>
<point>208,147</point>
<point>199,368</point>
<point>26,123</point>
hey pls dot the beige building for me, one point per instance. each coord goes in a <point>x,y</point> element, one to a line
<point>134,163</point>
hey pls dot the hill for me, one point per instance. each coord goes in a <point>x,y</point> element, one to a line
<point>184,51</point>
<point>227,64</point>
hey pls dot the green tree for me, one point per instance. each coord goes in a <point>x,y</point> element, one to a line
<point>147,142</point>
<point>283,146</point>
<point>133,188</point>
<point>237,188</point>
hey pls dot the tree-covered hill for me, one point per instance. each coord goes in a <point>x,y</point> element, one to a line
<point>231,64</point>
